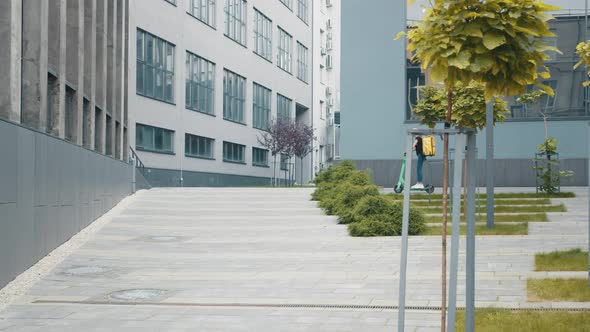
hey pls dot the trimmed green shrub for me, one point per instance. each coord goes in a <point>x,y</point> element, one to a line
<point>344,197</point>
<point>372,227</point>
<point>329,190</point>
<point>382,216</point>
<point>335,173</point>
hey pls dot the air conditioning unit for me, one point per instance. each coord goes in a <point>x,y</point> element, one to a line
<point>328,3</point>
<point>329,62</point>
<point>328,91</point>
<point>323,51</point>
<point>328,24</point>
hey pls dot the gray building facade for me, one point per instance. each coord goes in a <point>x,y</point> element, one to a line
<point>63,122</point>
<point>379,84</point>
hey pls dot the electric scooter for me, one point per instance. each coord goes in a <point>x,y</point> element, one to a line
<point>399,187</point>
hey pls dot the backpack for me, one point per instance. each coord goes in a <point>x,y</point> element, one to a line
<point>428,146</point>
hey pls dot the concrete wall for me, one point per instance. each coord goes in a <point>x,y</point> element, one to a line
<point>51,189</point>
<point>158,177</point>
<point>508,172</point>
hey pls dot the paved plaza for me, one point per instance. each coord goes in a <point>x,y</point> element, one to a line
<point>228,259</point>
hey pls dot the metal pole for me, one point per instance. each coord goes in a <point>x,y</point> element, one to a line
<point>457,170</point>
<point>470,247</point>
<point>133,175</point>
<point>489,164</point>
<point>405,225</point>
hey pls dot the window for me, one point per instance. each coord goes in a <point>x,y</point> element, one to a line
<point>547,105</point>
<point>261,107</point>
<point>285,50</point>
<point>283,107</point>
<point>200,76</point>
<point>262,35</point>
<point>302,10</point>
<point>288,3</point>
<point>416,79</point>
<point>234,95</point>
<point>154,139</point>
<point>301,62</point>
<point>198,146</point>
<point>203,10</point>
<point>155,67</point>
<point>259,157</point>
<point>235,20</point>
<point>284,162</point>
<point>322,109</point>
<point>233,153</point>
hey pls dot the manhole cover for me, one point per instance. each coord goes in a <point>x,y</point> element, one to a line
<point>136,294</point>
<point>164,238</point>
<point>85,270</point>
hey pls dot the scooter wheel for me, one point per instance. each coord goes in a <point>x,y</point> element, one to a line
<point>430,189</point>
<point>398,189</point>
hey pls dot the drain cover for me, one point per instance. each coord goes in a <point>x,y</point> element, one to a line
<point>136,294</point>
<point>85,270</point>
<point>164,238</point>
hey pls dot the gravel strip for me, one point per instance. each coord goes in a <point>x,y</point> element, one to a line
<point>19,286</point>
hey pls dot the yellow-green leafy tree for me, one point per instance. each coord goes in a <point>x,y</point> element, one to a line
<point>497,42</point>
<point>583,50</point>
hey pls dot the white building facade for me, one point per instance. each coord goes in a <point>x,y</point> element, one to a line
<point>326,82</point>
<point>206,79</point>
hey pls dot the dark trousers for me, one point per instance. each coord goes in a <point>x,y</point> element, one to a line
<point>421,159</point>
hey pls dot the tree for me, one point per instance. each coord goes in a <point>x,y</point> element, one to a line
<point>496,42</point>
<point>276,140</point>
<point>302,139</point>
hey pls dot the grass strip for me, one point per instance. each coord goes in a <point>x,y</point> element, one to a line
<point>568,260</point>
<point>495,320</point>
<point>505,209</point>
<point>569,290</point>
<point>497,202</point>
<point>496,196</point>
<point>511,229</point>
<point>533,217</point>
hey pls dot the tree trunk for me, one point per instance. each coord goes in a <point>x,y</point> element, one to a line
<point>274,172</point>
<point>301,170</point>
<point>443,312</point>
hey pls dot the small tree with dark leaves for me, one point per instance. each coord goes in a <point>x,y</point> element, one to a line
<point>275,139</point>
<point>302,139</point>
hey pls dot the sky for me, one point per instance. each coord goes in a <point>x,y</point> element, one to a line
<point>414,11</point>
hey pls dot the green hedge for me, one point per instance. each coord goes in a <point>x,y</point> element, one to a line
<point>349,193</point>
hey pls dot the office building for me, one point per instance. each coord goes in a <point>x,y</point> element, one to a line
<point>209,76</point>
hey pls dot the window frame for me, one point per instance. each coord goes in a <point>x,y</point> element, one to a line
<point>302,67</point>
<point>262,39</point>
<point>209,144</point>
<point>159,66</point>
<point>211,9</point>
<point>303,10</point>
<point>153,148</point>
<point>231,12</point>
<point>241,152</point>
<point>285,51</point>
<point>237,85</point>
<point>282,102</point>
<point>255,153</point>
<point>261,102</point>
<point>195,82</point>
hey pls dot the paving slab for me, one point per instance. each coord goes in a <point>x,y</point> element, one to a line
<point>261,259</point>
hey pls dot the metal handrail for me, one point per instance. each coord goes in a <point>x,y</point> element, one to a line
<point>136,161</point>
